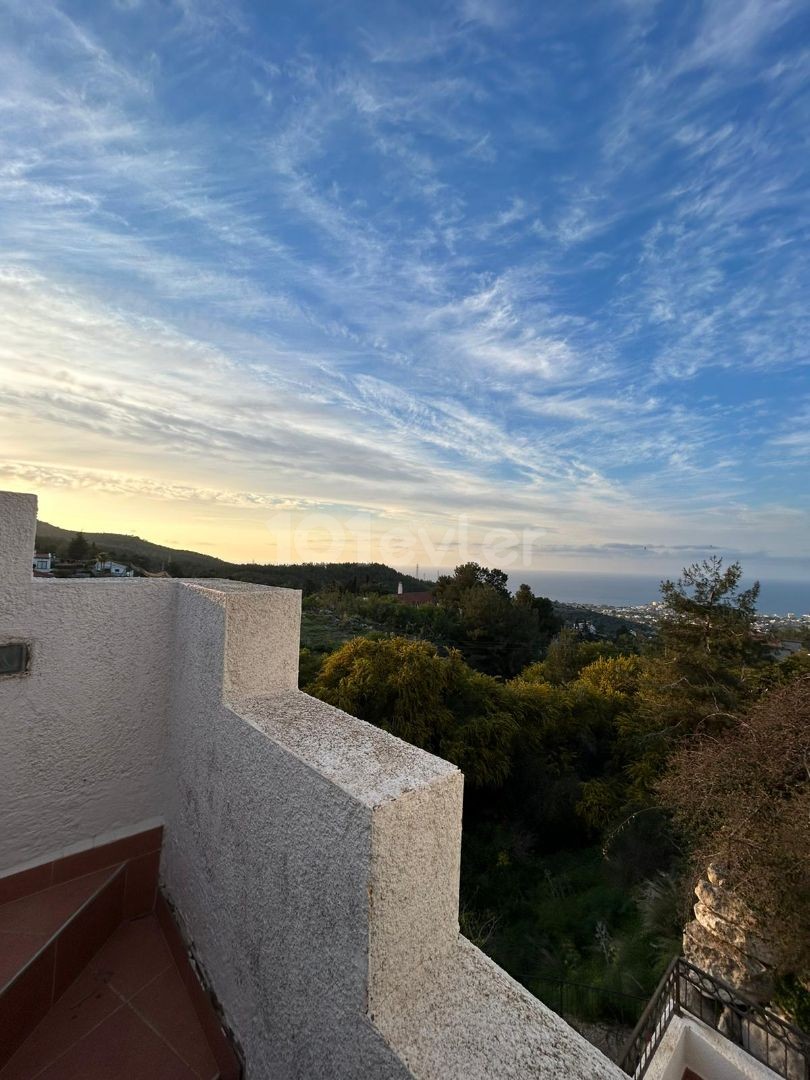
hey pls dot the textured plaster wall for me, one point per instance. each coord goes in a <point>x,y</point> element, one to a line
<point>18,518</point>
<point>266,856</point>
<point>83,734</point>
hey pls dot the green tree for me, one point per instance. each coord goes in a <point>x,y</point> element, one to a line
<point>617,676</point>
<point>562,662</point>
<point>524,597</point>
<point>701,669</point>
<point>545,622</point>
<point>499,634</point>
<point>78,549</point>
<point>500,637</point>
<point>436,702</point>
<point>708,650</point>
<point>450,588</point>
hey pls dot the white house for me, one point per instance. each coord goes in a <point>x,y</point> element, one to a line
<point>115,569</point>
<point>43,562</point>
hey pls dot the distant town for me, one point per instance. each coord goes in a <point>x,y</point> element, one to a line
<point>650,615</point>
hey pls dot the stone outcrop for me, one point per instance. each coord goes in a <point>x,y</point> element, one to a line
<point>725,939</point>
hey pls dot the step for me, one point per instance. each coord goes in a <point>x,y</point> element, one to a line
<point>95,979</point>
<point>28,924</point>
<point>47,939</point>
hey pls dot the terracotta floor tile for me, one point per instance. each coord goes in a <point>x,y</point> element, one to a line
<point>165,1005</point>
<point>16,949</point>
<point>44,912</point>
<point>122,1047</point>
<point>85,1003</point>
<point>135,954</point>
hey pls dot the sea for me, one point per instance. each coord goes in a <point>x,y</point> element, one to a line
<point>631,590</point>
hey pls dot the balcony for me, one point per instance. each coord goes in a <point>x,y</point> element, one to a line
<point>308,869</point>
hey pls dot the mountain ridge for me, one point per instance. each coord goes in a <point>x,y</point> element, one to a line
<point>311,577</point>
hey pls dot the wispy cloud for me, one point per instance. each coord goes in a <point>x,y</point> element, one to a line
<point>540,267</point>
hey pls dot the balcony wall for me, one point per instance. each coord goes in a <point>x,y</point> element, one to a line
<point>312,859</point>
<point>84,733</point>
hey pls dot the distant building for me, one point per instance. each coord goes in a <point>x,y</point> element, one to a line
<point>43,563</point>
<point>114,569</point>
<point>414,599</point>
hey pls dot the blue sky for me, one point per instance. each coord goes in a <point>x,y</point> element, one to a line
<point>542,265</point>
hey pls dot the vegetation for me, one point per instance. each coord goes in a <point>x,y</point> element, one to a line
<point>353,578</point>
<point>436,702</point>
<point>578,858</point>
<point>743,800</point>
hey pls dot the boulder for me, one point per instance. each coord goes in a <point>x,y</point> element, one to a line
<point>733,934</point>
<point>724,903</point>
<point>724,961</point>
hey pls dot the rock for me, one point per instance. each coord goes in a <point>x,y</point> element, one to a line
<point>724,903</point>
<point>724,961</point>
<point>734,935</point>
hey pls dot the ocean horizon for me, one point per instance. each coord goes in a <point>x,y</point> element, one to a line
<point>632,590</point>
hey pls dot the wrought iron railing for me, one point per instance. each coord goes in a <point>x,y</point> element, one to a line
<point>685,988</point>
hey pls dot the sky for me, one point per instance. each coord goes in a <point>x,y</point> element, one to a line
<point>421,281</point>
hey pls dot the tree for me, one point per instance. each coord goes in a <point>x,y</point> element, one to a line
<point>699,672</point>
<point>708,649</point>
<point>743,800</point>
<point>524,597</point>
<point>617,676</point>
<point>78,549</point>
<point>561,664</point>
<point>499,634</point>
<point>450,588</point>
<point>500,638</point>
<point>546,622</point>
<point>435,702</point>
<point>563,741</point>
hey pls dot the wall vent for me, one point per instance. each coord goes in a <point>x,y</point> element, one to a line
<point>14,658</point>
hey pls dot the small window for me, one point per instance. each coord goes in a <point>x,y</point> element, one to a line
<point>13,658</point>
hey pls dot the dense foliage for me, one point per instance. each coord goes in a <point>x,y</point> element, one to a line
<point>436,702</point>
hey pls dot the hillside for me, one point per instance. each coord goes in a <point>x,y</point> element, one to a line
<point>311,577</point>
<point>133,549</point>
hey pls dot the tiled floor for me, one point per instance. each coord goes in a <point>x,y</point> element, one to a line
<point>127,1017</point>
<point>26,924</point>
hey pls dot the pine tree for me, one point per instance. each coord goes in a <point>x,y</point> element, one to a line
<point>78,548</point>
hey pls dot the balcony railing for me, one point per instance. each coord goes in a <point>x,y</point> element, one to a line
<point>686,989</point>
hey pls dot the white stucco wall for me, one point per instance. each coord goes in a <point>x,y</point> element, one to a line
<point>314,861</point>
<point>83,734</point>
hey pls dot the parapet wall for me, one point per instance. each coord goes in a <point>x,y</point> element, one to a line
<point>312,859</point>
